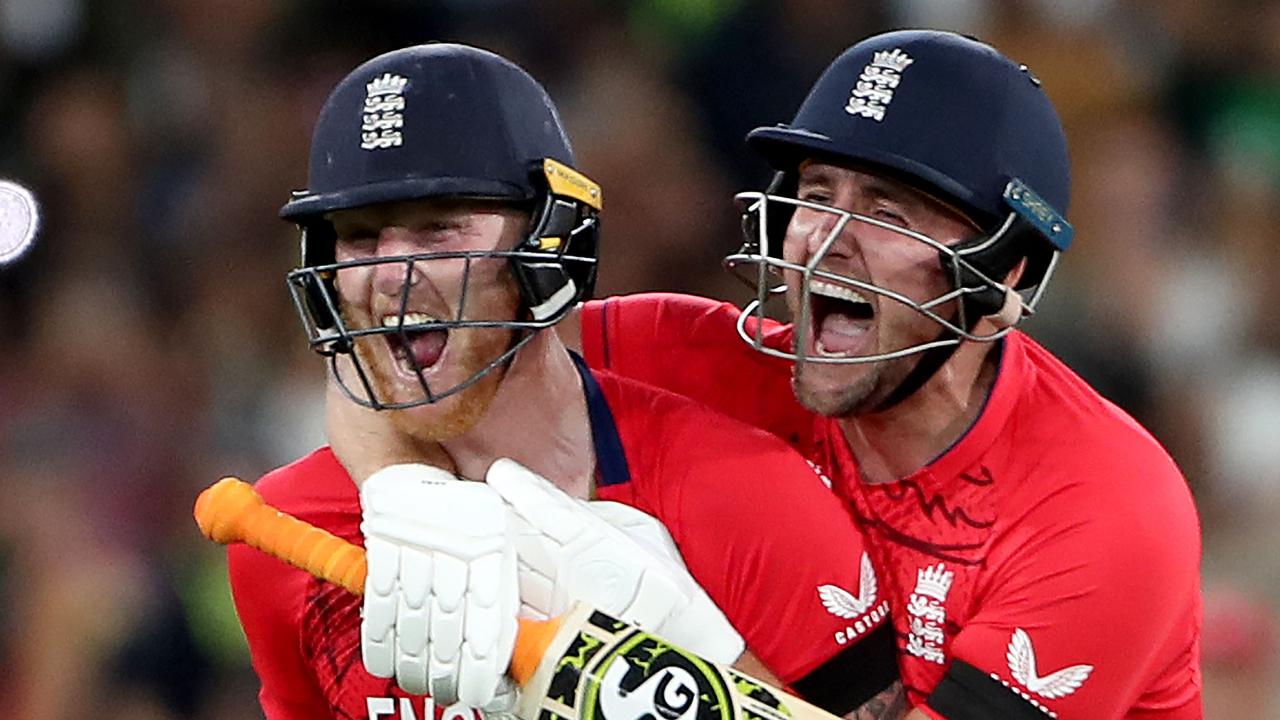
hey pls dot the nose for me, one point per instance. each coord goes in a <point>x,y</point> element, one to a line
<point>808,232</point>
<point>820,232</point>
<point>389,277</point>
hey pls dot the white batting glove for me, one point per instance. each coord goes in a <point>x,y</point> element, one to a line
<point>614,557</point>
<point>441,597</point>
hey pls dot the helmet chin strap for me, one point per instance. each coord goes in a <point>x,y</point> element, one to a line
<point>926,367</point>
<point>932,360</point>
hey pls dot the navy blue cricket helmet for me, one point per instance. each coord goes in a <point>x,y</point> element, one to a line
<point>948,115</point>
<point>444,120</point>
<point>425,121</point>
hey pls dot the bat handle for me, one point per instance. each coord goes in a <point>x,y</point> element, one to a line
<point>231,511</point>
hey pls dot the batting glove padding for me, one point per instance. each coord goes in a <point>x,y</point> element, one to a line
<point>441,596</point>
<point>614,557</point>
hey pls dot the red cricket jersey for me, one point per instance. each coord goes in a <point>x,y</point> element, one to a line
<point>757,527</point>
<point>1053,551</point>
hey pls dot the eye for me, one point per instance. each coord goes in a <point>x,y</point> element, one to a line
<point>357,244</point>
<point>815,195</point>
<point>890,216</point>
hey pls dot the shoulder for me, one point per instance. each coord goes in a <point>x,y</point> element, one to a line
<point>638,307</point>
<point>660,419</point>
<point>317,489</point>
<point>313,488</point>
<point>681,448</point>
<point>1075,446</point>
<point>1089,489</point>
<point>704,323</point>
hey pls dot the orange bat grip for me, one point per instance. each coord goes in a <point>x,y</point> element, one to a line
<point>231,511</point>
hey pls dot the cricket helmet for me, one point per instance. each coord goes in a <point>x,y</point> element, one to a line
<point>443,121</point>
<point>950,116</point>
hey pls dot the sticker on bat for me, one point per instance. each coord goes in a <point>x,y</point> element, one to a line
<point>646,679</point>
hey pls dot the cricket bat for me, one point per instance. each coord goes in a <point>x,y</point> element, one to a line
<point>582,665</point>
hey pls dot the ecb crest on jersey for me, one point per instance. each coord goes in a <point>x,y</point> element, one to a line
<point>928,613</point>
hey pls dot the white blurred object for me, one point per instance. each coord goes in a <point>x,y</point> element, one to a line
<point>1205,312</point>
<point>1243,428</point>
<point>19,220</point>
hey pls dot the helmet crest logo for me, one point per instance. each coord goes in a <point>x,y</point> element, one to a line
<point>383,112</point>
<point>874,90</point>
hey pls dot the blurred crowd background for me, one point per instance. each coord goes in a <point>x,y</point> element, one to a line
<point>149,346</point>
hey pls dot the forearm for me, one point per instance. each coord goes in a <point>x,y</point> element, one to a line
<point>751,665</point>
<point>888,704</point>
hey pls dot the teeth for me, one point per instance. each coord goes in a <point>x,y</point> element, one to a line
<point>822,350</point>
<point>839,292</point>
<point>410,318</point>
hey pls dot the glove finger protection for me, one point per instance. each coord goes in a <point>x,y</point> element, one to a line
<point>441,596</point>
<point>568,549</point>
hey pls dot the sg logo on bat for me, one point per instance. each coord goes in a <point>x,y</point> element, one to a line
<point>646,679</point>
<point>612,671</point>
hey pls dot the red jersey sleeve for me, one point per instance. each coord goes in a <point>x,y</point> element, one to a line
<point>1085,609</point>
<point>761,532</point>
<point>766,537</point>
<point>268,596</point>
<point>689,345</point>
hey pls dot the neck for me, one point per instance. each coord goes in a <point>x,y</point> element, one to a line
<point>538,418</point>
<point>905,438</point>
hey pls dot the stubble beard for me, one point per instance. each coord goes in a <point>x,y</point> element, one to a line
<point>837,401</point>
<point>863,396</point>
<point>470,350</point>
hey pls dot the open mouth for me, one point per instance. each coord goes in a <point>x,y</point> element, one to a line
<point>415,348</point>
<point>842,319</point>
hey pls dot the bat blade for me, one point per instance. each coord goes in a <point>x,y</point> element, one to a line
<point>597,667</point>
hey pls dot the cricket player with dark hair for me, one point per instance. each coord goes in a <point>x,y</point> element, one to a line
<point>1039,549</point>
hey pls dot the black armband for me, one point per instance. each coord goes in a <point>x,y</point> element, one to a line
<point>967,693</point>
<point>854,675</point>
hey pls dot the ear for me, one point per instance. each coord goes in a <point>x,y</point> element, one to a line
<point>1011,311</point>
<point>1014,275</point>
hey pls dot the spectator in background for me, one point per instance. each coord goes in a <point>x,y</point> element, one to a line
<point>1239,649</point>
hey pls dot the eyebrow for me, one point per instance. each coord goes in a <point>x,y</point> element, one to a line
<point>874,187</point>
<point>815,175</point>
<point>884,189</point>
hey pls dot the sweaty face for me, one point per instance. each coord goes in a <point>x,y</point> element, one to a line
<point>847,321</point>
<point>431,290</point>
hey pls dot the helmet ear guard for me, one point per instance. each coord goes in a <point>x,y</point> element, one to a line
<point>566,230</point>
<point>313,290</point>
<point>1032,231</point>
<point>979,265</point>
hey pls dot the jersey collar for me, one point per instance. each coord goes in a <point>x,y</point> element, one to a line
<point>611,460</point>
<point>1011,379</point>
